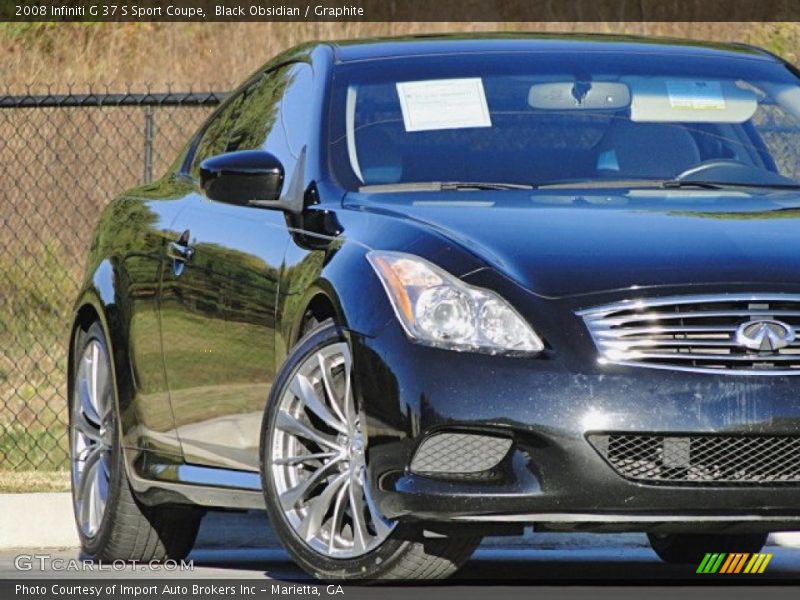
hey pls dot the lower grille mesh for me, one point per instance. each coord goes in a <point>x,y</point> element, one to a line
<point>459,453</point>
<point>702,459</point>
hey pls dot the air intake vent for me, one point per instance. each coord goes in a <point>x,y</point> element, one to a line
<point>459,454</point>
<point>702,459</point>
<point>738,334</point>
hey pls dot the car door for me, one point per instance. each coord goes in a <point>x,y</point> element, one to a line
<point>220,289</point>
<point>138,228</point>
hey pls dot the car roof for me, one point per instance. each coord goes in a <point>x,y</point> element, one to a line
<point>421,45</point>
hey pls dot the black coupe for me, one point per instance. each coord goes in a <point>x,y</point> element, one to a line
<point>410,292</point>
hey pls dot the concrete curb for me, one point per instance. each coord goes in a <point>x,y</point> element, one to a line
<point>46,521</point>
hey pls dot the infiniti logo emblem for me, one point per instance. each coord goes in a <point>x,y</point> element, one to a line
<point>765,335</point>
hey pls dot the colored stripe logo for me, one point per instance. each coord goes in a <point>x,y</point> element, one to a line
<point>734,563</point>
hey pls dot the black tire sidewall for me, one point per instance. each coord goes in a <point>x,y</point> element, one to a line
<point>95,544</point>
<point>367,566</point>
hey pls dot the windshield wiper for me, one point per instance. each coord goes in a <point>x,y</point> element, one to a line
<point>442,186</point>
<point>681,183</point>
<point>676,184</point>
<point>660,183</point>
<point>626,183</point>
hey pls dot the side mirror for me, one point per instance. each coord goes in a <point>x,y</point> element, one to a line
<point>246,178</point>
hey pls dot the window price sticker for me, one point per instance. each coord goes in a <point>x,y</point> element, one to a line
<point>443,104</point>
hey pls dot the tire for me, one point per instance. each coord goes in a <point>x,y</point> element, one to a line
<point>124,529</point>
<point>690,548</point>
<point>320,528</point>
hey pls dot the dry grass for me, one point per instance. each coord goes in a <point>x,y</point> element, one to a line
<point>216,55</point>
<point>19,482</point>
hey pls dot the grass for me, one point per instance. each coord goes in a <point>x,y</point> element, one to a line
<point>24,449</point>
<point>19,482</point>
<point>37,290</point>
<point>201,55</point>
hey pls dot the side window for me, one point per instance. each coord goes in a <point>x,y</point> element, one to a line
<point>214,139</point>
<point>254,118</point>
<point>296,107</point>
<point>780,135</point>
<point>259,117</point>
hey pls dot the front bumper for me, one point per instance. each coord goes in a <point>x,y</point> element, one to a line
<point>553,474</point>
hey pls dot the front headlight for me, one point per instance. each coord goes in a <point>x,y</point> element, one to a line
<point>439,309</point>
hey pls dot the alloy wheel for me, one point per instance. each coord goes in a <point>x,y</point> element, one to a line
<point>91,437</point>
<point>318,459</point>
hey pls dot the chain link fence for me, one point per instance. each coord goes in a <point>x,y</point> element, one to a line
<point>63,157</point>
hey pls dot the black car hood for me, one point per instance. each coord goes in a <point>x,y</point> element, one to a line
<point>568,242</point>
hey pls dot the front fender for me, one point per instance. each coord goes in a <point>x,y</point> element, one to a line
<point>336,280</point>
<point>99,301</point>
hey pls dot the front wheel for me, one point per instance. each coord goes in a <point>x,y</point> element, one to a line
<point>314,473</point>
<point>690,548</point>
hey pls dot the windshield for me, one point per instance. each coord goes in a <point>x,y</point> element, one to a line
<point>540,118</point>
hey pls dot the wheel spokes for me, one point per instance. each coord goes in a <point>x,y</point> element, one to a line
<point>292,496</point>
<point>325,375</point>
<point>87,408</point>
<point>92,489</point>
<point>304,459</point>
<point>90,463</point>
<point>298,429</point>
<point>87,428</point>
<point>103,386</point>
<point>301,387</point>
<point>338,513</point>
<point>360,533</point>
<point>317,461</point>
<point>349,404</point>
<point>93,378</point>
<point>319,507</point>
<point>99,489</point>
<point>92,427</point>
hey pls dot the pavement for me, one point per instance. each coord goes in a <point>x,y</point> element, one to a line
<point>37,521</point>
<point>45,520</point>
<point>243,546</point>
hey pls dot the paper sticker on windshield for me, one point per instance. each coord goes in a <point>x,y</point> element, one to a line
<point>695,95</point>
<point>443,104</point>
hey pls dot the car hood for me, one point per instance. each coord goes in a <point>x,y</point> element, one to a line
<point>570,242</point>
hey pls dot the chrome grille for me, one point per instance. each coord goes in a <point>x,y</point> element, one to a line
<point>696,333</point>
<point>699,459</point>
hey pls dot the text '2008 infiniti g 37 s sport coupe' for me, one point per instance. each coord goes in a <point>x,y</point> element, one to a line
<point>408,293</point>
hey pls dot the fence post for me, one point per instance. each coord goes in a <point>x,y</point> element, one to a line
<point>149,134</point>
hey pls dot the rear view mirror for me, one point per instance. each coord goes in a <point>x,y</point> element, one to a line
<point>579,95</point>
<point>249,177</point>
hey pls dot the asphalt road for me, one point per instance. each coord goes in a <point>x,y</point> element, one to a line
<point>236,546</point>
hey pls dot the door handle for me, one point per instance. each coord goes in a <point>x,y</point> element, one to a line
<point>180,252</point>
